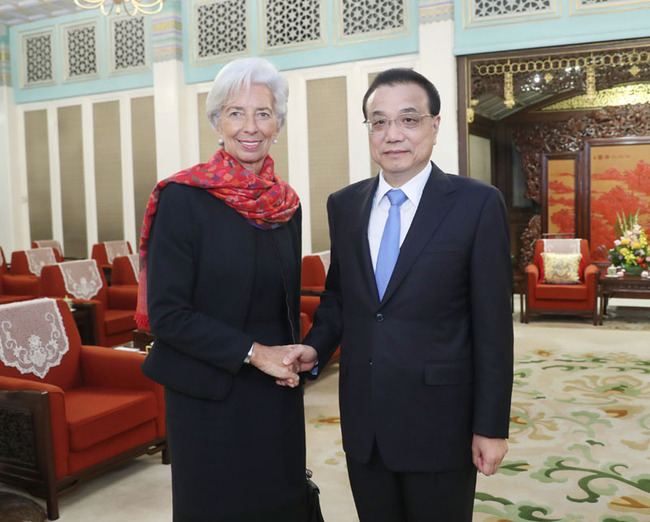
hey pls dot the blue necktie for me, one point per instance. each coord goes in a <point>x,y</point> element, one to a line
<point>389,246</point>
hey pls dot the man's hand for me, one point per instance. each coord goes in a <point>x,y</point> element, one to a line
<point>269,359</point>
<point>488,453</point>
<point>301,358</point>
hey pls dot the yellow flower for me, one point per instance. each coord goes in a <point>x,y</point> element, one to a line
<point>624,251</point>
<point>636,245</point>
<point>625,241</point>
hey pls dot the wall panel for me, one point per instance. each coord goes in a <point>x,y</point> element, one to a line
<point>73,200</point>
<point>328,151</point>
<point>108,171</point>
<point>143,136</point>
<point>38,174</point>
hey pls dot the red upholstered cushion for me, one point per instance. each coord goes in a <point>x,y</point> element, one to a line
<point>108,448</point>
<point>96,414</point>
<point>118,321</point>
<point>568,292</point>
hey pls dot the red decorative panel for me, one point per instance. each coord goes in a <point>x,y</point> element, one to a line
<point>620,182</point>
<point>561,201</point>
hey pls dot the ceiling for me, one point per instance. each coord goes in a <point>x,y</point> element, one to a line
<point>21,11</point>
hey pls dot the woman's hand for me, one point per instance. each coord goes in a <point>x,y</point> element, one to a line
<point>270,360</point>
<point>301,358</point>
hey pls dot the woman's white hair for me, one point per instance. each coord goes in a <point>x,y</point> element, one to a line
<point>240,74</point>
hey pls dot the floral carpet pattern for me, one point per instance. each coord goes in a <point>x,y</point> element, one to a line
<point>579,442</point>
<point>580,428</point>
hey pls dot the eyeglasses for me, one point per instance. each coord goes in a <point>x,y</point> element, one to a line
<point>408,120</point>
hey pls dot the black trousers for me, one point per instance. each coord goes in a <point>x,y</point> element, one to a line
<point>382,495</point>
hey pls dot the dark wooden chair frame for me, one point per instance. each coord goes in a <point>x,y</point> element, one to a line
<point>27,451</point>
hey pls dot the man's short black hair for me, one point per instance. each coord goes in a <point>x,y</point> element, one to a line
<point>400,76</point>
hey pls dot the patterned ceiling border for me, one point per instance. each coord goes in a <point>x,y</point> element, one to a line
<point>167,33</point>
<point>5,65</point>
<point>431,12</point>
<point>616,96</point>
<point>5,57</point>
<point>480,13</point>
<point>587,7</point>
<point>589,71</point>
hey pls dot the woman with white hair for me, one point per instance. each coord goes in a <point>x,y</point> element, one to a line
<point>220,289</point>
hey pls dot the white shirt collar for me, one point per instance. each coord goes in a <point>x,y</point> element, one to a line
<point>413,188</point>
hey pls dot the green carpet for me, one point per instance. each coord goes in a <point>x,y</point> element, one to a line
<point>580,434</point>
<point>580,429</point>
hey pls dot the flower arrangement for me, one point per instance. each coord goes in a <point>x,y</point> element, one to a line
<point>631,248</point>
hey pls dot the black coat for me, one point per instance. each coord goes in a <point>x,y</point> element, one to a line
<point>200,274</point>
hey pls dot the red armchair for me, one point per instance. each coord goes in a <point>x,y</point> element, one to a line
<point>578,298</point>
<point>66,422</point>
<point>26,266</point>
<point>125,270</point>
<point>313,272</point>
<point>11,290</point>
<point>114,307</point>
<point>312,284</point>
<point>104,253</point>
<point>53,244</point>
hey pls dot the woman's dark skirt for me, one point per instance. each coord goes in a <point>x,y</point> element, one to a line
<point>241,459</point>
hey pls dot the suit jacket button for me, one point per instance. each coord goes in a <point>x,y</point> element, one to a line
<point>379,317</point>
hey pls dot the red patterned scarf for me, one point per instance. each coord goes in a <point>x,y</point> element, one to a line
<point>264,199</point>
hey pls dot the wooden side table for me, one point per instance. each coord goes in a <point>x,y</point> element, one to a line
<point>142,339</point>
<point>630,287</point>
<point>85,316</point>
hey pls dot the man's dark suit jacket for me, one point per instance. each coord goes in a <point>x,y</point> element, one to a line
<point>430,364</point>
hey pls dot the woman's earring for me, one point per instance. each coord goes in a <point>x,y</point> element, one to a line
<point>220,141</point>
<point>275,141</point>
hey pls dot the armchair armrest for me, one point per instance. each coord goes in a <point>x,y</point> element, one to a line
<point>532,276</point>
<point>111,368</point>
<point>592,273</point>
<point>60,434</point>
<point>20,285</point>
<point>117,369</point>
<point>123,297</point>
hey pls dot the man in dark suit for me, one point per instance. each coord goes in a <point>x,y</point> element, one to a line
<point>418,294</point>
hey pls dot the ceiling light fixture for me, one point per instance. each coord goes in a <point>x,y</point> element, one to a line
<point>132,7</point>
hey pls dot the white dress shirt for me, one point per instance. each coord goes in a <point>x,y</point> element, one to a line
<point>413,189</point>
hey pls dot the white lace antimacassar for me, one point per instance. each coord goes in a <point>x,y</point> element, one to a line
<point>52,243</point>
<point>32,336</point>
<point>135,264</point>
<point>37,258</point>
<point>82,279</point>
<point>115,249</point>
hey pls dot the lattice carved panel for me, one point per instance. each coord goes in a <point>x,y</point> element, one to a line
<point>291,23</point>
<point>365,17</point>
<point>568,136</point>
<point>37,58</point>
<point>221,28</point>
<point>129,44</point>
<point>17,437</point>
<point>80,51</point>
<point>484,10</point>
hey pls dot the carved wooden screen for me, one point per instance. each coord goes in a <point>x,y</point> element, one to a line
<point>618,172</point>
<point>559,174</point>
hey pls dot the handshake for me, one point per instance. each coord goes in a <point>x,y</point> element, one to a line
<point>284,362</point>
